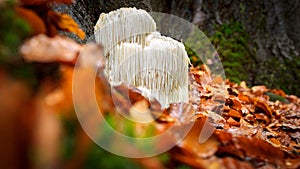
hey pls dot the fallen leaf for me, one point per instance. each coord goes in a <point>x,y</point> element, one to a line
<point>192,145</point>
<point>234,103</point>
<point>66,23</point>
<point>41,2</point>
<point>44,49</point>
<point>274,142</point>
<point>262,117</point>
<point>279,92</point>
<point>244,98</point>
<point>232,122</point>
<point>36,23</point>
<point>229,162</point>
<point>259,90</point>
<point>233,113</point>
<point>264,106</point>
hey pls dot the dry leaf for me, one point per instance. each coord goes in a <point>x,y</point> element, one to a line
<point>232,122</point>
<point>66,23</point>
<point>233,113</point>
<point>36,23</point>
<point>244,98</point>
<point>278,92</point>
<point>41,2</point>
<point>259,90</point>
<point>44,49</point>
<point>264,106</point>
<point>191,142</point>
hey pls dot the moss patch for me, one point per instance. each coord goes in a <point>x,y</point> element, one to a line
<point>231,42</point>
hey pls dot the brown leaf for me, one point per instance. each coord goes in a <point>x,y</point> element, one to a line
<point>223,137</point>
<point>233,113</point>
<point>264,106</point>
<point>36,23</point>
<point>194,161</point>
<point>41,2</point>
<point>66,23</point>
<point>234,103</point>
<point>61,97</point>
<point>278,92</point>
<point>260,149</point>
<point>249,118</point>
<point>229,148</point>
<point>244,98</point>
<point>274,142</point>
<point>262,117</point>
<point>191,142</point>
<point>259,90</point>
<point>44,49</point>
<point>232,122</point>
<point>230,162</point>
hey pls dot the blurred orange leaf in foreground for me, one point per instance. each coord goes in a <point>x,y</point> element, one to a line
<point>58,48</point>
<point>41,2</point>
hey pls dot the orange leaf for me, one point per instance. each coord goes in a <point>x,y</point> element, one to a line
<point>232,122</point>
<point>41,2</point>
<point>263,105</point>
<point>279,92</point>
<point>36,23</point>
<point>274,142</point>
<point>235,104</point>
<point>244,98</point>
<point>234,113</point>
<point>191,143</point>
<point>66,23</point>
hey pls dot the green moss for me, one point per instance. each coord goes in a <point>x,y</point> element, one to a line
<point>281,74</point>
<point>237,53</point>
<point>242,8</point>
<point>231,42</point>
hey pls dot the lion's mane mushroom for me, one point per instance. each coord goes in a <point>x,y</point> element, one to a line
<point>139,56</point>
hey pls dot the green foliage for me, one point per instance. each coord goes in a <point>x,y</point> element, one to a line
<point>13,30</point>
<point>68,143</point>
<point>97,158</point>
<point>194,58</point>
<point>128,127</point>
<point>183,167</point>
<point>231,42</point>
<point>274,97</point>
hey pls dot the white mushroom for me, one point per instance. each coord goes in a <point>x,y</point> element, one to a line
<point>139,56</point>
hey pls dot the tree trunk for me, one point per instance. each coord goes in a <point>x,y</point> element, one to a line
<point>273,27</point>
